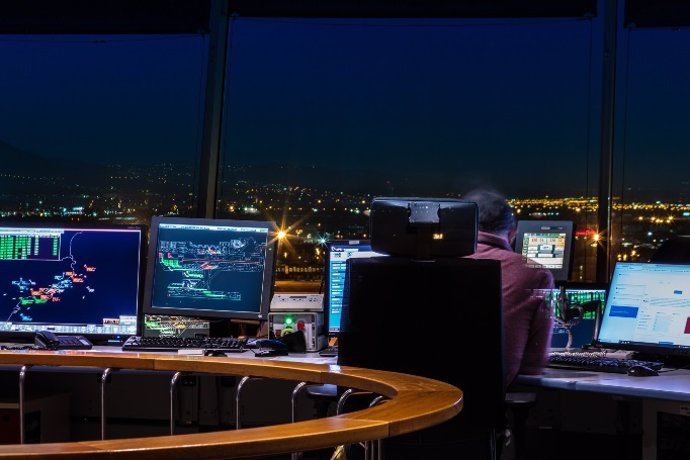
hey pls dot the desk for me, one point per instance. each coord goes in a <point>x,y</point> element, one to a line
<point>415,403</point>
<point>204,402</point>
<point>639,403</point>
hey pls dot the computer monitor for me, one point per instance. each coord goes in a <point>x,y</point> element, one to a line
<point>546,243</point>
<point>337,254</point>
<point>70,279</point>
<point>578,314</point>
<point>648,309</point>
<point>213,268</point>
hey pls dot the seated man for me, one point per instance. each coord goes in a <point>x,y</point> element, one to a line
<point>528,322</point>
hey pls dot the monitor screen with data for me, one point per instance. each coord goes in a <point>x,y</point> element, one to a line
<point>336,275</point>
<point>546,244</point>
<point>583,300</point>
<point>71,279</point>
<point>648,309</point>
<point>217,268</point>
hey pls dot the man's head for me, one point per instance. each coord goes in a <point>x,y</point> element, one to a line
<point>495,216</point>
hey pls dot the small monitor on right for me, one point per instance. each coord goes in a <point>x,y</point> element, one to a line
<point>578,318</point>
<point>648,309</point>
<point>547,243</point>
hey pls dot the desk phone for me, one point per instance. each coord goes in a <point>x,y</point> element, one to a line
<point>49,341</point>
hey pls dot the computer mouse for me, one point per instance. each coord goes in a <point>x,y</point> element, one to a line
<point>641,371</point>
<point>271,344</point>
<point>268,352</point>
<point>212,352</point>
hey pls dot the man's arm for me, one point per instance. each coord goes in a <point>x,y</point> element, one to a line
<point>541,330</point>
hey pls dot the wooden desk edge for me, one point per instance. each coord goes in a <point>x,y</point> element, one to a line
<point>416,403</point>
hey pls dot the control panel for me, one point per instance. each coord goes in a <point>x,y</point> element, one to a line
<point>297,302</point>
<point>310,323</point>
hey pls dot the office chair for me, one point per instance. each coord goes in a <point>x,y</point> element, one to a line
<point>449,311</point>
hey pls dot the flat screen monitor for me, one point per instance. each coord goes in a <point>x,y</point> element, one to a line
<point>423,228</point>
<point>337,255</point>
<point>211,268</point>
<point>546,243</point>
<point>648,309</point>
<point>579,314</point>
<point>70,279</point>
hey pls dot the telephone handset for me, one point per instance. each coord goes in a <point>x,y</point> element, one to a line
<point>49,341</point>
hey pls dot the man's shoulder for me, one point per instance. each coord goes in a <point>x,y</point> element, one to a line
<point>518,266</point>
<point>532,273</point>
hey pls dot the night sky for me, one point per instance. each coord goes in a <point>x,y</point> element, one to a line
<point>429,105</point>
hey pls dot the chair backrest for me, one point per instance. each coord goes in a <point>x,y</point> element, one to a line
<point>440,319</point>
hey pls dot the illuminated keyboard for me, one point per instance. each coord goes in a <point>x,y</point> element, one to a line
<point>224,344</point>
<point>597,362</point>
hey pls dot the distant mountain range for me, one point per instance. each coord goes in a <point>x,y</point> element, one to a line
<point>20,168</point>
<point>23,172</point>
<point>20,162</point>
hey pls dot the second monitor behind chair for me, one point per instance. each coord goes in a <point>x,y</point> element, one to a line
<point>337,255</point>
<point>548,243</point>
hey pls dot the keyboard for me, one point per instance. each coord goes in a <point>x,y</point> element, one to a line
<point>224,344</point>
<point>597,362</point>
<point>329,351</point>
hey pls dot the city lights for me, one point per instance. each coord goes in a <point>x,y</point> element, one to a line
<point>308,217</point>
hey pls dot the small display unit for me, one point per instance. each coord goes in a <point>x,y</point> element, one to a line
<point>337,255</point>
<point>210,268</point>
<point>70,280</point>
<point>546,243</point>
<point>648,310</point>
<point>577,308</point>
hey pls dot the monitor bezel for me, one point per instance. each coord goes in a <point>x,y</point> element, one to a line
<point>657,350</point>
<point>268,273</point>
<point>96,339</point>
<point>536,225</point>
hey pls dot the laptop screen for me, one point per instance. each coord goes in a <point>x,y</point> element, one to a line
<point>648,309</point>
<point>336,264</point>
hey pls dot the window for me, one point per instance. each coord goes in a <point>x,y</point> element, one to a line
<point>652,187</point>
<point>321,115</point>
<point>100,127</point>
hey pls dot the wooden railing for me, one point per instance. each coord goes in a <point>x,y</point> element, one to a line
<point>414,403</point>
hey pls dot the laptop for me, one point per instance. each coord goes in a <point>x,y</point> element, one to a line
<point>648,310</point>
<point>338,252</point>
